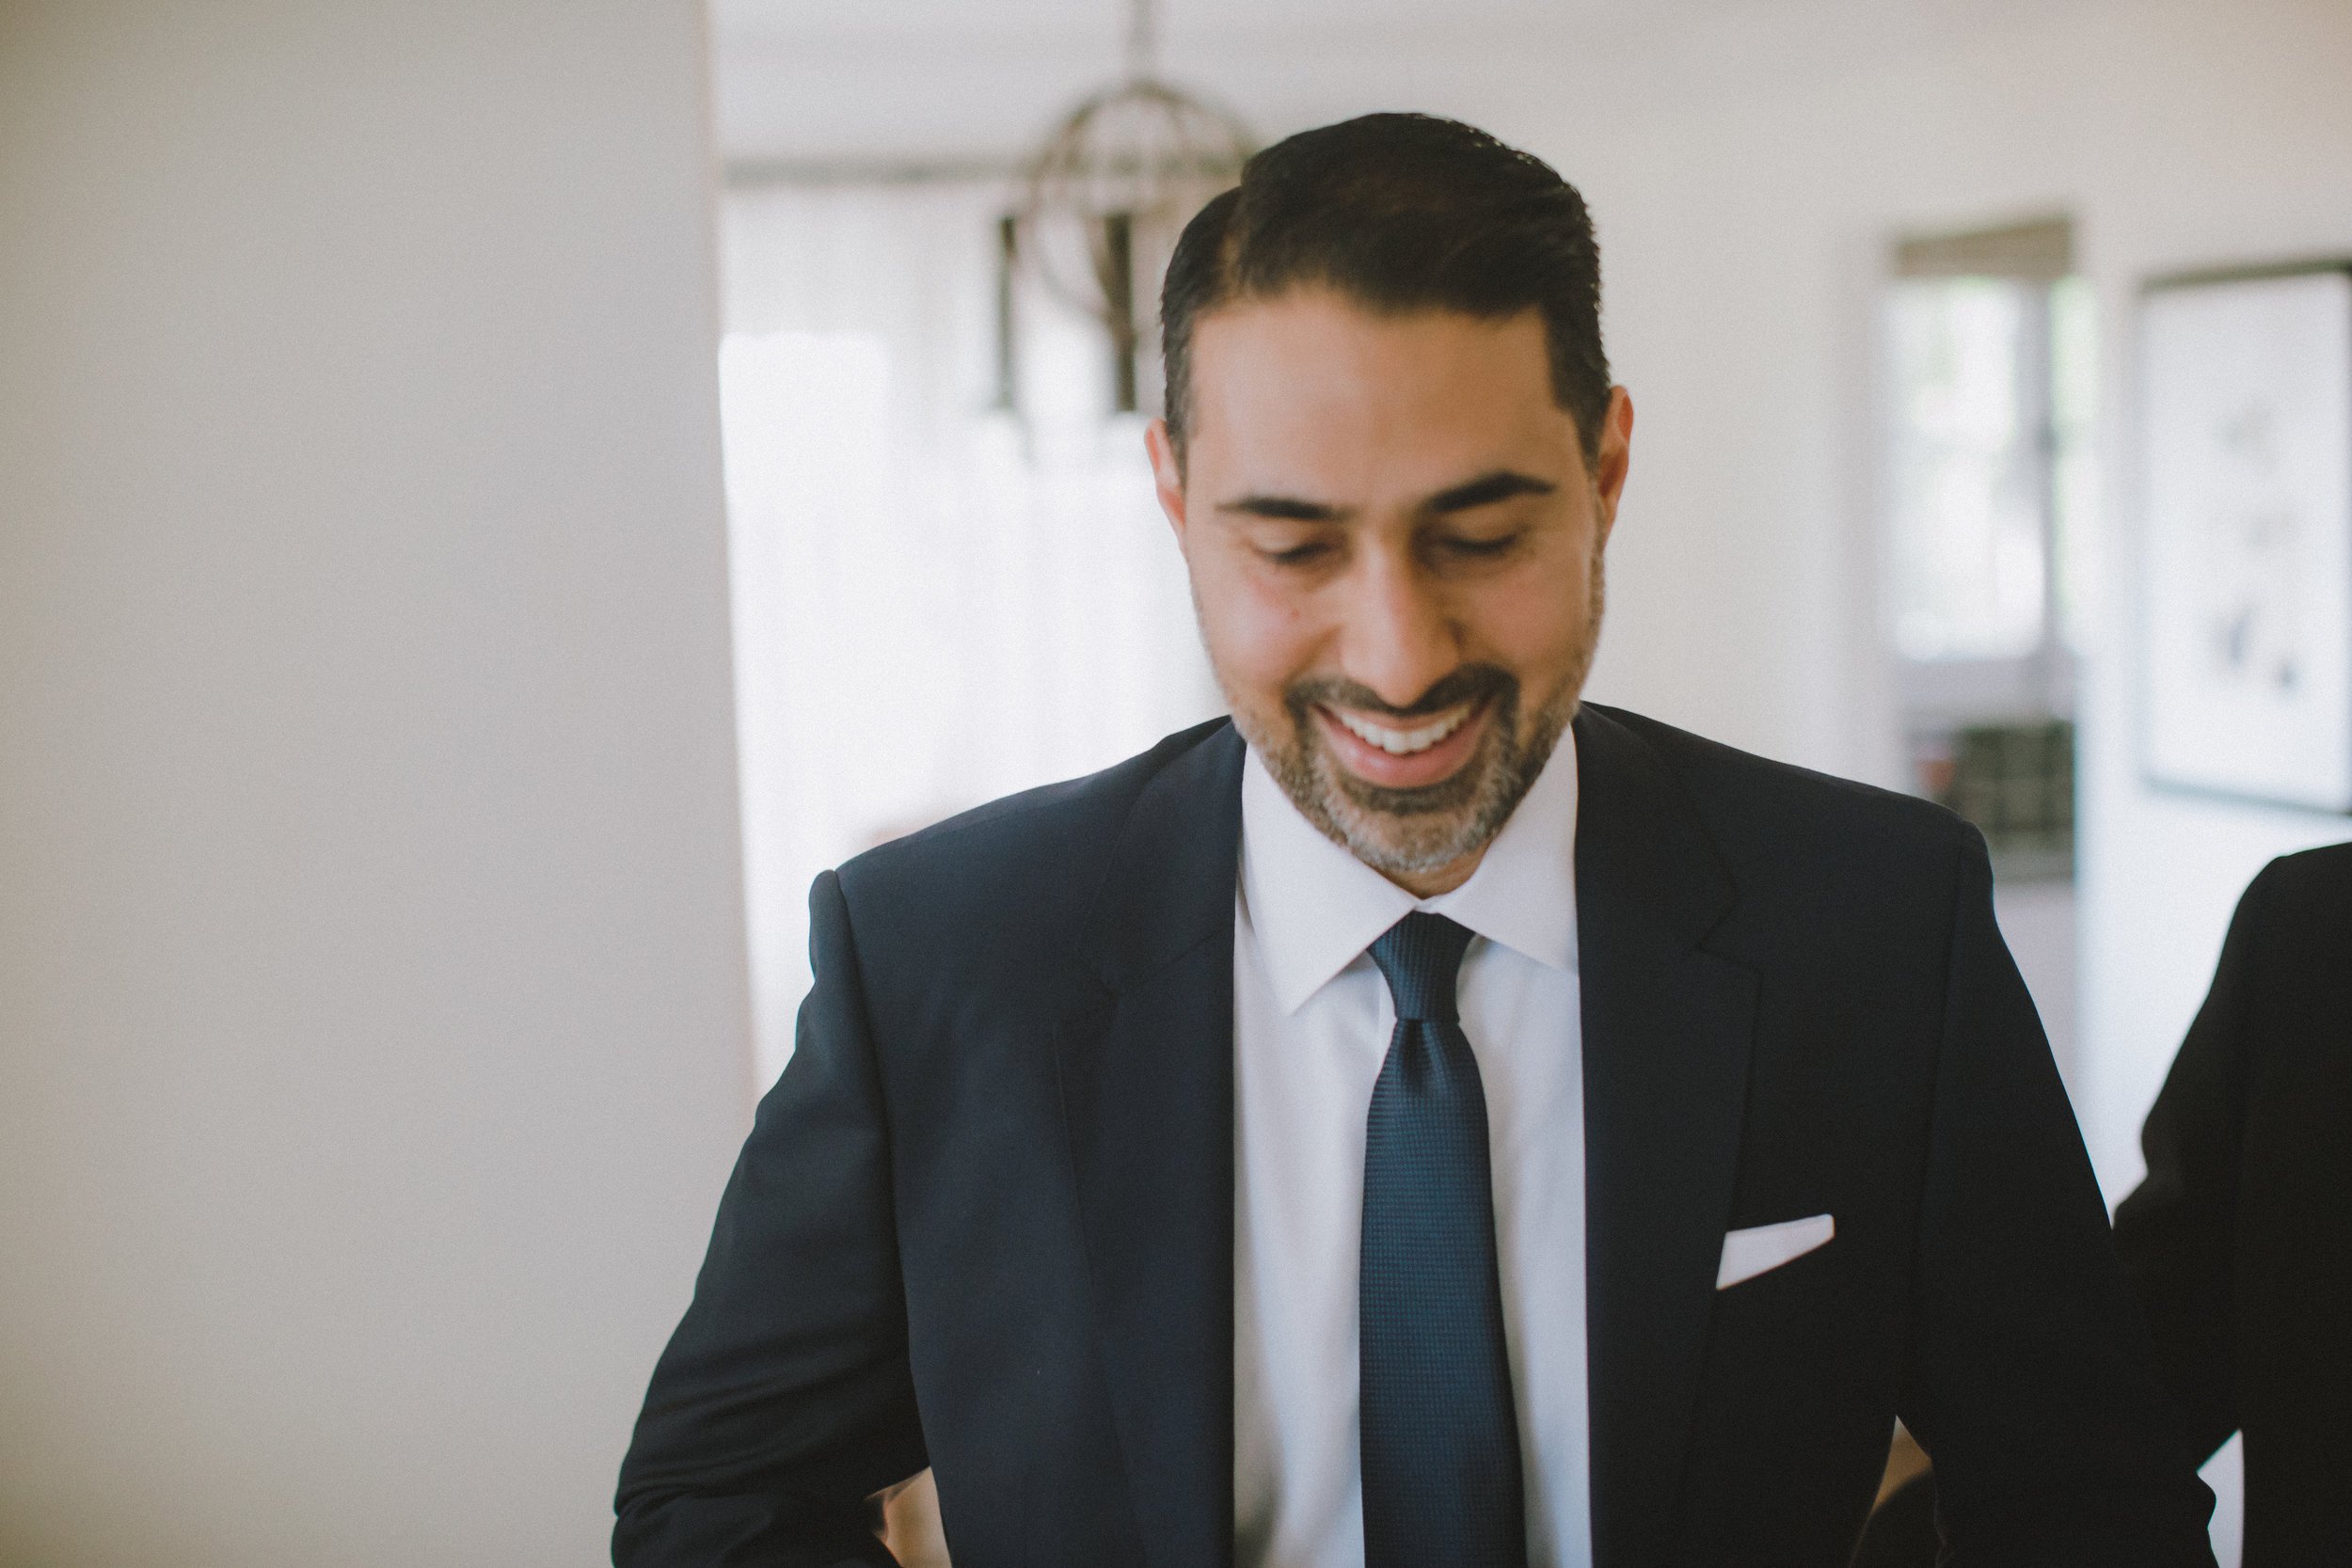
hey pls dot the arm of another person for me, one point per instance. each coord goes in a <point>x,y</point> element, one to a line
<point>2177,1231</point>
<point>784,1400</point>
<point>2030,1383</point>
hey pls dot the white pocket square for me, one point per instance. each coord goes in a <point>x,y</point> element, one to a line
<point>1764,1247</point>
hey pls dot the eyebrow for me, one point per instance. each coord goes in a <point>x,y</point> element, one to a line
<point>1487,489</point>
<point>1286,509</point>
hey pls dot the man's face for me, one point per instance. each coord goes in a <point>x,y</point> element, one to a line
<point>1395,548</point>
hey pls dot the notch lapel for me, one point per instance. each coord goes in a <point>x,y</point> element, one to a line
<point>1668,1028</point>
<point>1147,1087</point>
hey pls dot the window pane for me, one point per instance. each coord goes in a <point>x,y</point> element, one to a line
<point>2074,477</point>
<point>1967,549</point>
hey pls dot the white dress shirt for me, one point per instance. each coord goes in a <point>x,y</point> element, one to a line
<point>1312,1020</point>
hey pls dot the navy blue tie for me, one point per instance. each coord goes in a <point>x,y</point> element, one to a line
<point>1441,1435</point>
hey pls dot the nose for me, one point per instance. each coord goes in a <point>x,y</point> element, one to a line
<point>1399,638</point>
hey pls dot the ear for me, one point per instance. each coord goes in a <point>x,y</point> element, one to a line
<point>1614,459</point>
<point>1167,475</point>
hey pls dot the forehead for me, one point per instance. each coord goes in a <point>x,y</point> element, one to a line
<point>1310,388</point>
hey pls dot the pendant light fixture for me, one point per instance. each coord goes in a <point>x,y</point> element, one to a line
<point>1105,197</point>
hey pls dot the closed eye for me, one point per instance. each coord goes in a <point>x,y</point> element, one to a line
<point>1474,549</point>
<point>1298,555</point>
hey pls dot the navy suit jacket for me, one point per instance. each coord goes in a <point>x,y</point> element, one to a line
<point>984,1221</point>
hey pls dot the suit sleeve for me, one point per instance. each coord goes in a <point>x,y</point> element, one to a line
<point>2030,1380</point>
<point>2177,1233</point>
<point>783,1399</point>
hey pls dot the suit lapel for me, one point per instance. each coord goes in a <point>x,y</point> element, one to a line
<point>1667,1033</point>
<point>1147,1083</point>
<point>1146,1067</point>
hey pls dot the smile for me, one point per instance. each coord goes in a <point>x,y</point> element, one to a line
<point>1404,743</point>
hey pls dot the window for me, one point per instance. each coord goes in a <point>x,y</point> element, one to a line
<point>951,579</point>
<point>1991,377</point>
<point>1970,534</point>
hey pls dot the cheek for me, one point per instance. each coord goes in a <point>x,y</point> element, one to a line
<point>1261,636</point>
<point>1535,623</point>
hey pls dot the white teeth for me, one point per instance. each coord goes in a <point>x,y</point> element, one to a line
<point>1403,743</point>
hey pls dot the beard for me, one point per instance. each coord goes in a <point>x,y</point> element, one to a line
<point>1414,832</point>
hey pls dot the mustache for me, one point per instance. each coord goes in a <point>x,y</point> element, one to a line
<point>1468,683</point>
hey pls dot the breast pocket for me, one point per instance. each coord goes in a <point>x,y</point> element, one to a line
<point>1761,1249</point>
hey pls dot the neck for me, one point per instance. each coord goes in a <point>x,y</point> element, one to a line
<point>1445,878</point>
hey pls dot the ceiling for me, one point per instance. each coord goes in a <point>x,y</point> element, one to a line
<point>820,86</point>
<point>1103,24</point>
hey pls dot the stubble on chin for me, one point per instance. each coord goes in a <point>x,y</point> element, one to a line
<point>1414,832</point>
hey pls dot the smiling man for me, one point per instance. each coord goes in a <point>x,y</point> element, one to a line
<point>1423,1120</point>
<point>1399,574</point>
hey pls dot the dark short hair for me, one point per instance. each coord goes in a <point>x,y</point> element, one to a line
<point>1401,212</point>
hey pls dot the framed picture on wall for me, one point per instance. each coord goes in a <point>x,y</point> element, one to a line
<point>2247,469</point>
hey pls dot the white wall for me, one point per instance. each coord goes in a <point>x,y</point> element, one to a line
<point>1741,217</point>
<point>2256,131</point>
<point>372,1033</point>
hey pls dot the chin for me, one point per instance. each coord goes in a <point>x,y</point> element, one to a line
<point>1411,832</point>
<point>1417,831</point>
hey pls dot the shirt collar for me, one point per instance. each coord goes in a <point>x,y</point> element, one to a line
<point>1314,907</point>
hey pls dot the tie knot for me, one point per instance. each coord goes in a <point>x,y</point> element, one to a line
<point>1421,956</point>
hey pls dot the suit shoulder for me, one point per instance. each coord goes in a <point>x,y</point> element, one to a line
<point>1826,871</point>
<point>2313,885</point>
<point>1022,858</point>
<point>2297,912</point>
<point>1759,807</point>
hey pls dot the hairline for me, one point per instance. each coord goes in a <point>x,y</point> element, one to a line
<point>1179,419</point>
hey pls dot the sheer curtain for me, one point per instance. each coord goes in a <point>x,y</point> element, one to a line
<point>937,601</point>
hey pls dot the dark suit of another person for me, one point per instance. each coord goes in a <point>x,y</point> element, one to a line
<point>2239,1243</point>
